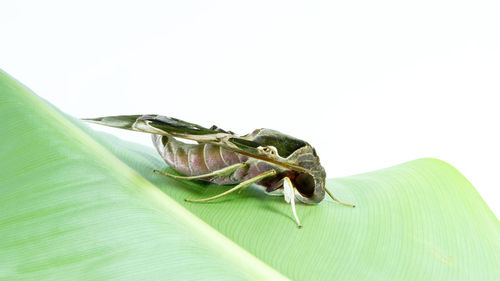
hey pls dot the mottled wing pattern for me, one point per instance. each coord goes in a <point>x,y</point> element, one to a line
<point>167,126</point>
<point>247,145</point>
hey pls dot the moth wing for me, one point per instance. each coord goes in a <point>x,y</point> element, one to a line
<point>167,126</point>
<point>154,124</point>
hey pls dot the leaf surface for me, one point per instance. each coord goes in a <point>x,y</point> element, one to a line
<point>69,209</point>
<point>79,204</point>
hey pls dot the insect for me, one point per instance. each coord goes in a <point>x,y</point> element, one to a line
<point>265,157</point>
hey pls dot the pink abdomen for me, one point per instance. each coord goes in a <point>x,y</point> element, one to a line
<point>198,159</point>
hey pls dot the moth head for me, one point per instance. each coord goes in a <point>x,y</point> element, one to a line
<point>294,155</point>
<point>310,184</point>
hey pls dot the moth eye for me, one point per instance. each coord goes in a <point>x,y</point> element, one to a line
<point>305,184</point>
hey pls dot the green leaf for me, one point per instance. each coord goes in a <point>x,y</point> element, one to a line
<point>70,210</point>
<point>79,204</point>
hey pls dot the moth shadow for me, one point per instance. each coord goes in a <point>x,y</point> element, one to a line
<point>269,203</point>
<point>197,189</point>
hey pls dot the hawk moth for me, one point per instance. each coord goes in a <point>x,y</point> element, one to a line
<point>265,157</point>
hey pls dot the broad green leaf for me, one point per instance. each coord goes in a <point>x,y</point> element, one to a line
<point>76,203</point>
<point>70,210</point>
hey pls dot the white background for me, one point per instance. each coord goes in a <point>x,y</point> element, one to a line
<point>370,84</point>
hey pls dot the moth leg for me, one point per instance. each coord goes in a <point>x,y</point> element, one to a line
<point>222,172</point>
<point>335,198</point>
<point>289,192</point>
<point>241,185</point>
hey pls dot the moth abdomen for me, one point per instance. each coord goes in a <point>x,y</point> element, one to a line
<point>199,159</point>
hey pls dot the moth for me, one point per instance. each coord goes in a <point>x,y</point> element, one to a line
<point>266,157</point>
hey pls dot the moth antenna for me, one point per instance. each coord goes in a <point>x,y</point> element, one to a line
<point>335,198</point>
